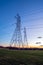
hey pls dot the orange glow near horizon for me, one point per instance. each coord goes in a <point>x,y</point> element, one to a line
<point>25,46</point>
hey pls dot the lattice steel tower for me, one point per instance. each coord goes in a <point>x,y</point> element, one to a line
<point>25,37</point>
<point>17,37</point>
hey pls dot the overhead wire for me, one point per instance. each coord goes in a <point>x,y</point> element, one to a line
<point>36,11</point>
<point>39,11</point>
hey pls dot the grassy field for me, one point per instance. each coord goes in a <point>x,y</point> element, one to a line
<point>21,57</point>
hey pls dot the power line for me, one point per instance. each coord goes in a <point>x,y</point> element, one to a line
<point>29,27</point>
<point>36,11</point>
<point>34,28</point>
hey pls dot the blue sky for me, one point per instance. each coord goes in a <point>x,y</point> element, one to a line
<point>31,12</point>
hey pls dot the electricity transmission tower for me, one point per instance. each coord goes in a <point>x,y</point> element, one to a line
<point>17,37</point>
<point>25,37</point>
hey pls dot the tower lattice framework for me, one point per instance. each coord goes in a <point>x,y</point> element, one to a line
<point>17,36</point>
<point>25,37</point>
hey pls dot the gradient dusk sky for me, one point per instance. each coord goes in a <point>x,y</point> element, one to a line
<point>31,12</point>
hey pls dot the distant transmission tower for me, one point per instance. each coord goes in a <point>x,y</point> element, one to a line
<point>25,37</point>
<point>17,37</point>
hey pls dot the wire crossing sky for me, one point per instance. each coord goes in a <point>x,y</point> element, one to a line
<point>31,12</point>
